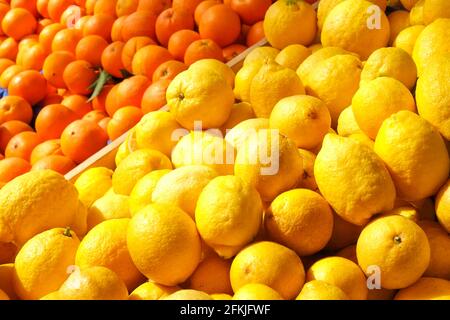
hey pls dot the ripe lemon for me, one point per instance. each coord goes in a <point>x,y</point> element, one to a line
<point>304,119</point>
<point>271,264</point>
<point>93,184</point>
<point>188,294</point>
<point>110,206</point>
<point>141,195</point>
<point>290,22</point>
<point>378,99</point>
<point>398,21</point>
<point>206,65</point>
<point>347,124</point>
<point>426,288</point>
<point>106,245</point>
<point>241,132</point>
<point>353,179</point>
<point>33,202</point>
<point>406,39</point>
<point>308,180</point>
<point>157,130</point>
<point>244,78</point>
<point>398,247</point>
<point>228,214</point>
<point>79,224</point>
<point>51,296</point>
<point>321,290</point>
<point>301,220</point>
<point>270,162</point>
<point>414,153</point>
<point>357,26</point>
<point>362,138</point>
<point>135,166</point>
<point>151,291</point>
<point>435,9</point>
<point>348,253</point>
<point>221,296</point>
<point>292,56</point>
<point>261,55</point>
<point>93,283</point>
<point>8,251</point>
<point>443,206</point>
<point>342,273</point>
<point>127,147</point>
<point>240,112</point>
<point>171,250</point>
<point>390,62</point>
<point>409,4</point>
<point>256,291</point>
<point>200,96</point>
<point>439,242</point>
<point>432,94</point>
<point>6,280</point>
<point>182,187</point>
<point>408,212</point>
<point>42,263</point>
<point>416,14</point>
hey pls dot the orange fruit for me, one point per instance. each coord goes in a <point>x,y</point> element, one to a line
<point>111,59</point>
<point>99,102</point>
<point>126,7</point>
<point>5,63</point>
<point>202,7</point>
<point>58,163</point>
<point>139,23</point>
<point>129,93</point>
<point>203,49</point>
<point>66,40</point>
<point>22,144</point>
<point>104,124</point>
<point>51,98</point>
<point>48,33</point>
<point>33,58</point>
<point>100,25</point>
<point>154,97</point>
<point>155,6</point>
<point>54,66</point>
<point>10,129</point>
<point>189,5</point>
<point>106,7</point>
<point>25,4</point>
<point>4,8</point>
<point>255,34</point>
<point>15,108</point>
<point>79,25</point>
<point>9,49</point>
<point>71,15</point>
<point>131,47</point>
<point>147,59</point>
<point>78,76</point>
<point>52,120</point>
<point>168,70</point>
<point>42,24</point>
<point>55,8</point>
<point>44,149</point>
<point>170,21</point>
<point>95,116</point>
<point>90,49</point>
<point>90,5</point>
<point>78,104</point>
<point>231,52</point>
<point>11,168</point>
<point>221,24</point>
<point>123,120</point>
<point>110,100</point>
<point>116,29</point>
<point>42,8</point>
<point>30,85</point>
<point>18,23</point>
<point>81,139</point>
<point>180,41</point>
<point>8,74</point>
<point>251,11</point>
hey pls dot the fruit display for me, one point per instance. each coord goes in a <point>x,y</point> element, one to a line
<point>315,167</point>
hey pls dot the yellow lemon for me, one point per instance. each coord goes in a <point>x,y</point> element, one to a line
<point>414,153</point>
<point>93,184</point>
<point>443,206</point>
<point>378,99</point>
<point>243,80</point>
<point>409,4</point>
<point>408,212</point>
<point>206,65</point>
<point>353,179</point>
<point>6,280</point>
<point>127,147</point>
<point>344,234</point>
<point>315,47</point>
<point>151,291</point>
<point>399,249</point>
<point>110,206</point>
<point>347,124</point>
<point>240,112</point>
<point>321,290</point>
<point>79,224</point>
<point>292,56</point>
<point>348,253</point>
<point>406,39</point>
<point>256,291</point>
<point>426,288</point>
<point>398,21</point>
<point>362,138</point>
<point>241,132</point>
<point>51,296</point>
<point>260,55</point>
<point>41,266</point>
<point>308,180</point>
<point>416,14</point>
<point>435,9</point>
<point>270,264</point>
<point>8,251</point>
<point>221,296</point>
<point>228,214</point>
<point>439,242</point>
<point>188,294</point>
<point>171,250</point>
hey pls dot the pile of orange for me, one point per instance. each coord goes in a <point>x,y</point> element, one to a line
<point>53,51</point>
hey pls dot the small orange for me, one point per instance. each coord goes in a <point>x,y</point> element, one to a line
<point>251,11</point>
<point>147,59</point>
<point>66,40</point>
<point>130,49</point>
<point>139,23</point>
<point>28,41</point>
<point>104,124</point>
<point>180,41</point>
<point>9,49</point>
<point>203,49</point>
<point>4,8</point>
<point>42,8</point>
<point>220,24</point>
<point>54,66</point>
<point>81,139</point>
<point>190,5</point>
<point>129,92</point>
<point>90,5</point>
<point>58,163</point>
<point>22,144</point>
<point>78,104</point>
<point>79,76</point>
<point>30,85</point>
<point>9,73</point>
<point>10,129</point>
<point>100,25</point>
<point>25,4</point>
<point>18,23</point>
<point>45,149</point>
<point>11,168</point>
<point>71,15</point>
<point>51,98</point>
<point>42,24</point>
<point>33,58</point>
<point>170,21</point>
<point>123,120</point>
<point>15,108</point>
<point>90,49</point>
<point>155,96</point>
<point>111,101</point>
<point>55,8</point>
<point>48,33</point>
<point>5,63</point>
<point>168,70</point>
<point>155,6</point>
<point>202,7</point>
<point>126,7</point>
<point>231,52</point>
<point>116,29</point>
<point>79,25</point>
<point>52,120</point>
<point>99,102</point>
<point>95,116</point>
<point>111,59</point>
<point>106,7</point>
<point>255,33</point>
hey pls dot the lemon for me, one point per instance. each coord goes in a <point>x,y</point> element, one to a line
<point>221,296</point>
<point>206,65</point>
<point>357,26</point>
<point>304,119</point>
<point>240,112</point>
<point>151,291</point>
<point>292,56</point>
<point>398,21</point>
<point>256,291</point>
<point>42,263</point>
<point>141,195</point>
<point>247,128</point>
<point>390,62</point>
<point>3,295</point>
<point>435,9</point>
<point>200,95</point>
<point>290,22</point>
<point>301,220</point>
<point>406,39</point>
<point>135,166</point>
<point>156,131</point>
<point>443,206</point>
<point>79,224</point>
<point>362,138</point>
<point>308,180</point>
<point>6,280</point>
<point>439,242</point>
<point>321,290</point>
<point>182,187</point>
<point>409,4</point>
<point>414,153</point>
<point>127,147</point>
<point>431,43</point>
<point>416,16</point>
<point>426,288</point>
<point>52,296</point>
<point>347,124</point>
<point>344,234</point>
<point>315,47</point>
<point>171,250</point>
<point>188,294</point>
<point>203,148</point>
<point>35,202</point>
<point>260,55</point>
<point>244,78</point>
<point>228,214</point>
<point>110,206</point>
<point>106,245</point>
<point>270,162</point>
<point>353,179</point>
<point>408,212</point>
<point>93,184</point>
<point>432,95</point>
<point>8,251</point>
<point>93,283</point>
<point>377,100</point>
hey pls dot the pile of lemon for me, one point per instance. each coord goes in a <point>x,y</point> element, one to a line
<point>320,170</point>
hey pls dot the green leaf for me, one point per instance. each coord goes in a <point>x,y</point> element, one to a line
<point>98,85</point>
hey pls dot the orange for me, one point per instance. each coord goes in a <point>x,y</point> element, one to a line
<point>48,33</point>
<point>180,41</point>
<point>190,5</point>
<point>4,8</point>
<point>54,66</point>
<point>81,139</point>
<point>51,98</point>
<point>25,4</point>
<point>202,49</point>
<point>255,33</point>
<point>33,58</point>
<point>155,6</point>
<point>95,116</point>
<point>231,52</point>
<point>221,24</point>
<point>42,24</point>
<point>8,74</point>
<point>78,104</point>
<point>22,144</point>
<point>116,29</point>
<point>129,93</point>
<point>30,85</point>
<point>71,15</point>
<point>79,76</point>
<point>110,100</point>
<point>55,8</point>
<point>104,124</point>
<point>79,25</point>
<point>140,23</point>
<point>58,163</point>
<point>131,47</point>
<point>154,97</point>
<point>126,7</point>
<point>90,49</point>
<point>147,59</point>
<point>52,120</point>
<point>168,70</point>
<point>66,40</point>
<point>251,11</point>
<point>10,129</point>
<point>5,63</point>
<point>42,8</point>
<point>99,102</point>
<point>170,21</point>
<point>202,7</point>
<point>111,59</point>
<point>105,7</point>
<point>9,48</point>
<point>123,120</point>
<point>15,108</point>
<point>18,23</point>
<point>11,168</point>
<point>89,5</point>
<point>100,25</point>
<point>44,149</point>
